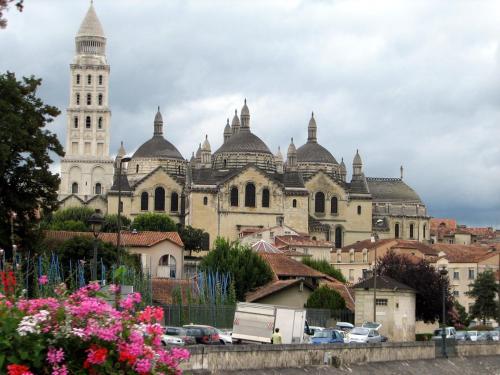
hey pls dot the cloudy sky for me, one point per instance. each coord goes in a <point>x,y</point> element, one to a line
<point>412,83</point>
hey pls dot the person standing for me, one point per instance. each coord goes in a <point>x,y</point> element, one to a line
<point>276,337</point>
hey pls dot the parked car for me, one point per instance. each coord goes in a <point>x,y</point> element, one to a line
<point>488,336</point>
<point>495,335</point>
<point>327,336</point>
<point>462,336</point>
<point>314,329</point>
<point>449,331</point>
<point>344,326</point>
<point>177,336</point>
<point>473,335</point>
<point>364,335</point>
<point>224,337</point>
<point>206,335</point>
<point>371,325</point>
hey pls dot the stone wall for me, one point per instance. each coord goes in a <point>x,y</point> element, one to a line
<point>241,357</point>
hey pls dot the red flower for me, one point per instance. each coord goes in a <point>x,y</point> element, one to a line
<point>127,357</point>
<point>96,355</point>
<point>18,369</point>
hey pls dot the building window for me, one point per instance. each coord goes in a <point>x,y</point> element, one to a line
<point>359,210</point>
<point>137,168</point>
<point>89,99</point>
<point>456,275</point>
<point>471,274</point>
<point>169,261</point>
<point>88,122</point>
<point>75,122</point>
<point>225,163</point>
<point>205,201</point>
<point>99,123</point>
<point>77,99</point>
<point>250,195</point>
<point>78,79</point>
<point>89,79</point>
<point>99,99</point>
<point>338,237</point>
<point>294,203</point>
<point>424,230</point>
<point>319,202</point>
<point>456,293</point>
<point>174,202</point>
<point>74,188</point>
<point>159,199</point>
<point>381,302</point>
<point>334,208</point>
<point>100,79</point>
<point>144,201</point>
<point>265,198</point>
<point>365,256</point>
<point>411,231</point>
<point>396,230</point>
<point>98,189</point>
<point>351,256</point>
<point>234,196</point>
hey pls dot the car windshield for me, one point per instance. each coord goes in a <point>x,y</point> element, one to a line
<point>371,325</point>
<point>322,334</point>
<point>175,331</point>
<point>360,331</point>
<point>438,332</point>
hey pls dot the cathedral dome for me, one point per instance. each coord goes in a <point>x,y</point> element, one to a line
<point>244,141</point>
<point>313,152</point>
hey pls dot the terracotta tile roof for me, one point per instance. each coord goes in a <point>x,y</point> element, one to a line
<point>462,253</point>
<point>272,287</point>
<point>291,240</point>
<point>284,266</point>
<point>163,290</point>
<point>366,244</point>
<point>448,223</point>
<point>128,239</point>
<point>416,245</point>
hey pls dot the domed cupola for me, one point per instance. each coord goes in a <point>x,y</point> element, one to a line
<point>243,147</point>
<point>312,157</point>
<point>156,152</point>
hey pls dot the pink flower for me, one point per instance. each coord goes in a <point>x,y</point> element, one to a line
<point>63,370</point>
<point>42,280</point>
<point>55,356</point>
<point>142,366</point>
<point>113,288</point>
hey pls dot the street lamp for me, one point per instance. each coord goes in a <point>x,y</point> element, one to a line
<point>374,238</point>
<point>443,273</point>
<point>119,221</point>
<point>95,221</point>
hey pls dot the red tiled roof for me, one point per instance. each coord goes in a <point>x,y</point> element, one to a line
<point>128,239</point>
<point>462,253</point>
<point>448,223</point>
<point>292,240</point>
<point>283,265</point>
<point>272,287</point>
<point>367,244</point>
<point>342,289</point>
<point>416,245</point>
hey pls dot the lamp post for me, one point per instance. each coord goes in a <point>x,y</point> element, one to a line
<point>119,219</point>
<point>95,221</point>
<point>374,238</point>
<point>443,273</point>
<point>14,247</point>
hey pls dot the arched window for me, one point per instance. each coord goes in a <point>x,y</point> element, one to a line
<point>294,203</point>
<point>234,196</point>
<point>359,210</point>
<point>75,122</point>
<point>77,99</point>
<point>78,79</point>
<point>424,229</point>
<point>411,231</point>
<point>169,261</point>
<point>99,123</point>
<point>98,189</point>
<point>338,237</point>
<point>74,188</point>
<point>144,201</point>
<point>319,202</point>
<point>250,195</point>
<point>99,99</point>
<point>265,198</point>
<point>88,122</point>
<point>89,79</point>
<point>159,199</point>
<point>89,99</point>
<point>174,202</point>
<point>205,201</point>
<point>137,168</point>
<point>396,230</point>
<point>100,79</point>
<point>225,163</point>
<point>334,209</point>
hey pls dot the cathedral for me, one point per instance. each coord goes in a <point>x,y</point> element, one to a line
<point>237,189</point>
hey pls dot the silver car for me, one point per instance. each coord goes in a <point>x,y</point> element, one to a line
<point>364,335</point>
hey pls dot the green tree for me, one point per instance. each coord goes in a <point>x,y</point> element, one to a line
<point>72,219</point>
<point>325,298</point>
<point>26,183</point>
<point>247,269</point>
<point>462,318</point>
<point>194,238</point>
<point>111,223</point>
<point>154,222</point>
<point>483,291</point>
<point>325,267</point>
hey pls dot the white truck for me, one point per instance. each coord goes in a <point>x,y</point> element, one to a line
<point>254,322</point>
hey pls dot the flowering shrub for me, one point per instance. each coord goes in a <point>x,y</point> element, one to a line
<point>81,333</point>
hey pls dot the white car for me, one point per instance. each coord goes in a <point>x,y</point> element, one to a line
<point>449,331</point>
<point>225,337</point>
<point>364,335</point>
<point>473,335</point>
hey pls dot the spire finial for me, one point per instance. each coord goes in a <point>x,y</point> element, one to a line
<point>206,136</point>
<point>245,100</point>
<point>312,114</point>
<point>227,122</point>
<point>292,139</point>
<point>401,170</point>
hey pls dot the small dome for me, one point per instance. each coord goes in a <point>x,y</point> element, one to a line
<point>279,155</point>
<point>312,121</point>
<point>158,116</point>
<point>158,147</point>
<point>291,148</point>
<point>314,153</point>
<point>357,159</point>
<point>244,109</point>
<point>206,144</point>
<point>91,26</point>
<point>198,152</point>
<point>342,166</point>
<point>244,142</point>
<point>227,129</point>
<point>192,158</point>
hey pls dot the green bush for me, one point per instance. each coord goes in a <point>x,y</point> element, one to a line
<point>325,267</point>
<point>154,222</point>
<point>325,298</point>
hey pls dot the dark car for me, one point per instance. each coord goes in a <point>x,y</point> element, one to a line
<point>205,335</point>
<point>327,336</point>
